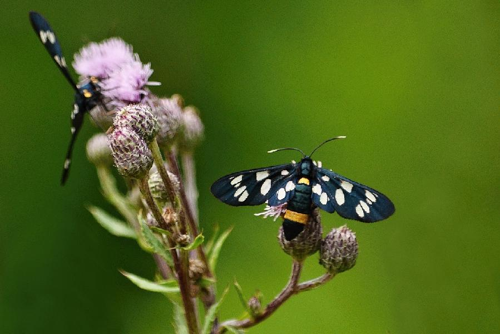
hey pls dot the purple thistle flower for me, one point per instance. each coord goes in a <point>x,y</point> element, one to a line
<point>126,84</point>
<point>97,59</point>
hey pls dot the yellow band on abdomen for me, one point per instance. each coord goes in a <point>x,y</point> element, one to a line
<point>304,180</point>
<point>296,217</point>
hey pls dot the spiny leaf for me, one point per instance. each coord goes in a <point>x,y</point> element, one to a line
<point>154,242</point>
<point>111,224</point>
<point>212,313</point>
<point>149,285</point>
<point>197,241</point>
<point>214,255</point>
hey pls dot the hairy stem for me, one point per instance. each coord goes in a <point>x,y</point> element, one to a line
<point>191,190</point>
<point>180,270</point>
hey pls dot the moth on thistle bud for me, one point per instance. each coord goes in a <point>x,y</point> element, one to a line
<point>339,250</point>
<point>130,152</point>
<point>140,119</point>
<point>306,242</point>
<point>98,150</point>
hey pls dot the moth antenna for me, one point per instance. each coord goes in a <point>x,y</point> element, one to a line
<point>326,141</point>
<point>287,149</point>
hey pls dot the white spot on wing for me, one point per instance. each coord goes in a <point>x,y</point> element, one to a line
<point>51,37</point>
<point>314,163</point>
<point>67,162</point>
<point>243,196</point>
<point>284,172</point>
<point>265,187</point>
<point>369,202</point>
<point>281,193</point>
<point>73,130</point>
<point>63,62</point>
<point>346,185</point>
<point>43,36</point>
<point>239,191</point>
<point>365,206</point>
<point>237,179</point>
<point>370,196</point>
<point>261,175</point>
<point>339,196</point>
<point>325,178</point>
<point>290,186</point>
<point>58,61</point>
<point>323,199</point>
<point>359,211</point>
<point>320,164</point>
<point>317,189</point>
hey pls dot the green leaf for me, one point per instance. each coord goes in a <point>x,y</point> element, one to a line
<point>149,285</point>
<point>212,314</point>
<point>210,243</point>
<point>205,282</point>
<point>158,230</point>
<point>112,224</point>
<point>240,295</point>
<point>180,320</point>
<point>197,241</point>
<point>154,242</point>
<point>214,255</point>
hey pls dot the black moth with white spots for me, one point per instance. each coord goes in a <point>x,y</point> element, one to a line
<point>87,95</point>
<point>303,186</point>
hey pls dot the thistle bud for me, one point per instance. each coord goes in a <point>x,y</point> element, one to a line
<point>169,115</point>
<point>192,129</point>
<point>196,269</point>
<point>157,186</point>
<point>254,306</point>
<point>306,242</point>
<point>131,154</point>
<point>139,118</point>
<point>181,239</point>
<point>98,151</point>
<point>339,250</point>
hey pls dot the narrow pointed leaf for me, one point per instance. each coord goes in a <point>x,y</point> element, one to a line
<point>180,320</point>
<point>214,255</point>
<point>212,314</point>
<point>234,330</point>
<point>197,241</point>
<point>149,285</point>
<point>240,295</point>
<point>111,224</point>
<point>154,242</point>
<point>210,243</point>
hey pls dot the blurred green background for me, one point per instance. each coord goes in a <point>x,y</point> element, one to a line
<point>414,85</point>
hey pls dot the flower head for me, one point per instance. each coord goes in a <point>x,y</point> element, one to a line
<point>98,151</point>
<point>130,152</point>
<point>169,114</point>
<point>98,59</point>
<point>306,242</point>
<point>157,186</point>
<point>339,250</point>
<point>127,83</point>
<point>140,119</point>
<point>192,129</point>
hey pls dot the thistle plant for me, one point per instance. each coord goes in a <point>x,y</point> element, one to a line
<point>151,141</point>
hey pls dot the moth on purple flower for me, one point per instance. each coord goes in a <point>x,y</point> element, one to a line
<point>87,94</point>
<point>303,186</point>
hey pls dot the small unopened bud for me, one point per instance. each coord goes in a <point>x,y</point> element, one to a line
<point>98,151</point>
<point>254,306</point>
<point>131,154</point>
<point>170,216</point>
<point>306,242</point>
<point>339,250</point>
<point>196,269</point>
<point>181,239</point>
<point>192,129</point>
<point>169,115</point>
<point>157,186</point>
<point>140,118</point>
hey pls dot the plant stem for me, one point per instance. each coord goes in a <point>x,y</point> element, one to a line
<point>155,150</point>
<point>182,276</point>
<point>289,290</point>
<point>191,191</point>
